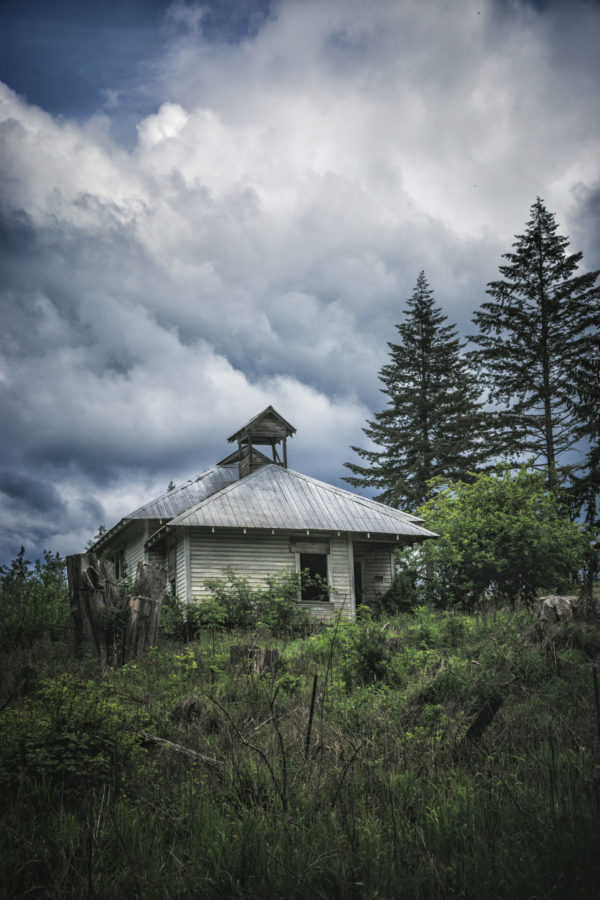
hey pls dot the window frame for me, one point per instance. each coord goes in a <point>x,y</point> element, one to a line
<point>119,563</point>
<point>315,550</point>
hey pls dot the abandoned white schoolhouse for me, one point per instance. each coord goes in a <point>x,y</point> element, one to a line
<point>252,513</point>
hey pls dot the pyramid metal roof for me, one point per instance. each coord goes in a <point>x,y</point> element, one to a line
<point>184,496</point>
<point>274,497</point>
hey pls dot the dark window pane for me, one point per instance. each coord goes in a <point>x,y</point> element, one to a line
<point>314,576</point>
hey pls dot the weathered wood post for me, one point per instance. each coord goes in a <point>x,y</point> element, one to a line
<point>93,591</point>
<point>117,626</point>
<point>145,607</point>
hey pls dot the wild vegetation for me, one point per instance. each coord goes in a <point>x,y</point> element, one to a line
<point>502,536</point>
<point>432,754</point>
<point>446,744</point>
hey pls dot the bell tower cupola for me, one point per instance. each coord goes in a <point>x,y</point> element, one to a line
<point>267,429</point>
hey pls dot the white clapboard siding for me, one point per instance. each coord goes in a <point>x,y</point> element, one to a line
<point>181,587</point>
<point>339,568</point>
<point>255,556</point>
<point>157,553</point>
<point>324,612</point>
<point>374,566</point>
<point>134,547</point>
<point>156,556</point>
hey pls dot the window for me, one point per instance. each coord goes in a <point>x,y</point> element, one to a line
<point>358,581</point>
<point>118,561</point>
<point>314,578</point>
<point>172,569</point>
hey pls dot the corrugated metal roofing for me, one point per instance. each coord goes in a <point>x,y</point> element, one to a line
<point>273,497</point>
<point>187,495</point>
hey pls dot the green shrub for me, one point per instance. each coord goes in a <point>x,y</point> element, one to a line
<point>74,733</point>
<point>502,537</point>
<point>34,601</point>
<point>174,619</point>
<point>277,605</point>
<point>234,594</point>
<point>364,649</point>
<point>408,589</point>
<point>274,604</point>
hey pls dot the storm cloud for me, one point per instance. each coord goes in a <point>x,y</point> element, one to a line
<point>254,237</point>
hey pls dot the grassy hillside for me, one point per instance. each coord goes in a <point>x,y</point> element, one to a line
<point>447,756</point>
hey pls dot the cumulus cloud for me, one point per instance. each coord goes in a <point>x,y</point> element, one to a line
<point>258,240</point>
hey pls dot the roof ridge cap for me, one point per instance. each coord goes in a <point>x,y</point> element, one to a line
<point>224,490</point>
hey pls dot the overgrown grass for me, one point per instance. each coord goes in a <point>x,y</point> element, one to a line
<point>446,756</point>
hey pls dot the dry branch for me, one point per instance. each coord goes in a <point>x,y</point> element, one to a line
<point>184,751</point>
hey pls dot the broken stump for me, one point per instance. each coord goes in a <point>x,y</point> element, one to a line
<point>254,659</point>
<point>119,627</point>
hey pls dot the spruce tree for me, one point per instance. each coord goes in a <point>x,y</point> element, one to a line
<point>541,322</point>
<point>433,423</point>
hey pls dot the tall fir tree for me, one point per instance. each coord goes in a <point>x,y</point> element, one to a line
<point>585,490</point>
<point>587,480</point>
<point>433,423</point>
<point>542,320</point>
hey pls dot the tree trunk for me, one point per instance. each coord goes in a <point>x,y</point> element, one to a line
<point>118,627</point>
<point>551,474</point>
<point>93,594</point>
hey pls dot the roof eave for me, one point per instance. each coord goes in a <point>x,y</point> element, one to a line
<point>393,537</point>
<point>110,534</point>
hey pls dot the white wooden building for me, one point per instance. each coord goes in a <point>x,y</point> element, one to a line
<point>252,513</point>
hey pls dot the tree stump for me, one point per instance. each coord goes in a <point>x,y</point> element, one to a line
<point>117,626</point>
<point>93,592</point>
<point>254,659</point>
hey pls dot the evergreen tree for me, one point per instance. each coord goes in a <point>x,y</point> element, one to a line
<point>585,490</point>
<point>433,423</point>
<point>541,322</point>
<point>586,486</point>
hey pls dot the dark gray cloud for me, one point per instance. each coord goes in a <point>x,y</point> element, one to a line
<point>34,494</point>
<point>33,510</point>
<point>292,168</point>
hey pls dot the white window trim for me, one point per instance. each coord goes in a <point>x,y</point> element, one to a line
<point>324,552</point>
